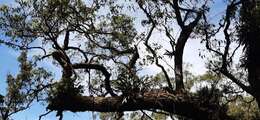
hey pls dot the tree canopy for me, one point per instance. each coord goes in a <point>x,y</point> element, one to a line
<point>102,46</point>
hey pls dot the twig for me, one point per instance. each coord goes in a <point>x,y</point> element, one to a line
<point>42,115</point>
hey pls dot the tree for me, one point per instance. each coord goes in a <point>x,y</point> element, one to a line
<point>244,15</point>
<point>23,89</point>
<point>97,42</point>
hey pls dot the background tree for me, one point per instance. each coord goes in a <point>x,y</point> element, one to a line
<point>23,89</point>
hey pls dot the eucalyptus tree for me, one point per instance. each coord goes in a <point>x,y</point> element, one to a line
<point>96,45</point>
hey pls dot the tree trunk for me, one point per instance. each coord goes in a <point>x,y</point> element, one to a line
<point>178,58</point>
<point>251,37</point>
<point>179,49</point>
<point>178,70</point>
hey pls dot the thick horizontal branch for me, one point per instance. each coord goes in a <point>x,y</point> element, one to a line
<point>178,104</point>
<point>92,66</point>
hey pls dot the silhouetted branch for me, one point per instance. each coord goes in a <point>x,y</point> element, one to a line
<point>178,104</point>
<point>100,68</point>
<point>151,49</point>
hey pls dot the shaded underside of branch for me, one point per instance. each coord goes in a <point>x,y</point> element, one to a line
<point>178,104</point>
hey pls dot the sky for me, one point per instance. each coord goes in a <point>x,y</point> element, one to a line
<point>9,65</point>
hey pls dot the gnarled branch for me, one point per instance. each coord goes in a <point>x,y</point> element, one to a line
<point>178,104</point>
<point>100,68</point>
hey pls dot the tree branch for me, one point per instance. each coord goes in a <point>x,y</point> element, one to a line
<point>21,47</point>
<point>66,39</point>
<point>151,49</point>
<point>134,58</point>
<point>78,49</point>
<point>178,104</point>
<point>177,12</point>
<point>100,68</point>
<point>235,80</point>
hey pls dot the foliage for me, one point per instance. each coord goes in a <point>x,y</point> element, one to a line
<point>240,109</point>
<point>24,88</point>
<point>100,47</point>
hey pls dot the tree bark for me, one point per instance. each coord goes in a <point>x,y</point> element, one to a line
<point>178,58</point>
<point>178,62</point>
<point>251,38</point>
<point>179,104</point>
<point>179,49</point>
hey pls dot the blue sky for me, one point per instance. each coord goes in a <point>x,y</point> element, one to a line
<point>9,64</point>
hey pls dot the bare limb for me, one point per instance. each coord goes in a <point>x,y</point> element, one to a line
<point>66,39</point>
<point>40,117</point>
<point>151,49</point>
<point>100,68</point>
